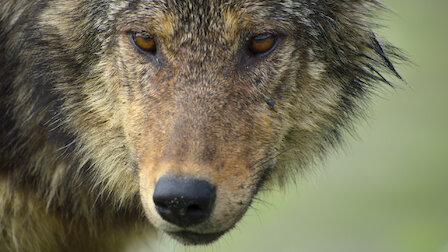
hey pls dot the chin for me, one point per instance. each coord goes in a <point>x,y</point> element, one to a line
<point>193,238</point>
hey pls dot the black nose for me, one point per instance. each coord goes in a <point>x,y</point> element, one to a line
<point>184,201</point>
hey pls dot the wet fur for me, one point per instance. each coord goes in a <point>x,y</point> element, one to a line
<point>87,128</point>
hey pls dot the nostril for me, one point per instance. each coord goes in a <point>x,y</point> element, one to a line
<point>184,201</point>
<point>161,207</point>
<point>159,202</point>
<point>195,211</point>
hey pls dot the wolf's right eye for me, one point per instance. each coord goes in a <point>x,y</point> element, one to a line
<point>262,43</point>
<point>144,42</point>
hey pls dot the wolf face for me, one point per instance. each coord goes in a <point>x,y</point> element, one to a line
<point>203,105</point>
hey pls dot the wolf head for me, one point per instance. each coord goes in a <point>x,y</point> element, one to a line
<point>196,105</point>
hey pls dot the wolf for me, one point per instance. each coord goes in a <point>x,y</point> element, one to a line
<point>121,118</point>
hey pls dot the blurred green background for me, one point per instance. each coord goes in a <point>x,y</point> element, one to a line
<point>387,191</point>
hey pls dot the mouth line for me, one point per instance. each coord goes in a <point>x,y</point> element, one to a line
<point>193,238</point>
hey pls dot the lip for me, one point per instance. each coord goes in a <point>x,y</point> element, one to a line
<point>192,238</point>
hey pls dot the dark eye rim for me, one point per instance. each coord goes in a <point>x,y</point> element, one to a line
<point>132,38</point>
<point>276,37</point>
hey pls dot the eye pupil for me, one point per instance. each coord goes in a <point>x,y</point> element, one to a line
<point>144,42</point>
<point>261,43</point>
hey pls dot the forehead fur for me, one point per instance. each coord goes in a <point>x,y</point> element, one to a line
<point>211,19</point>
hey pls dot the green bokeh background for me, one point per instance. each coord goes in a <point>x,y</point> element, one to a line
<point>387,191</point>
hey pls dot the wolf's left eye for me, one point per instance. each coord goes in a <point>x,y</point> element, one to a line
<point>262,43</point>
<point>144,42</point>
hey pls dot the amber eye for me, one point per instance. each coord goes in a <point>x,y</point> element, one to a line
<point>262,43</point>
<point>145,42</point>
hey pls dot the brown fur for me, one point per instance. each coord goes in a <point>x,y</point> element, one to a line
<point>89,123</point>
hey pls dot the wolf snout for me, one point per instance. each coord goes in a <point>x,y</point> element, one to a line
<point>184,201</point>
